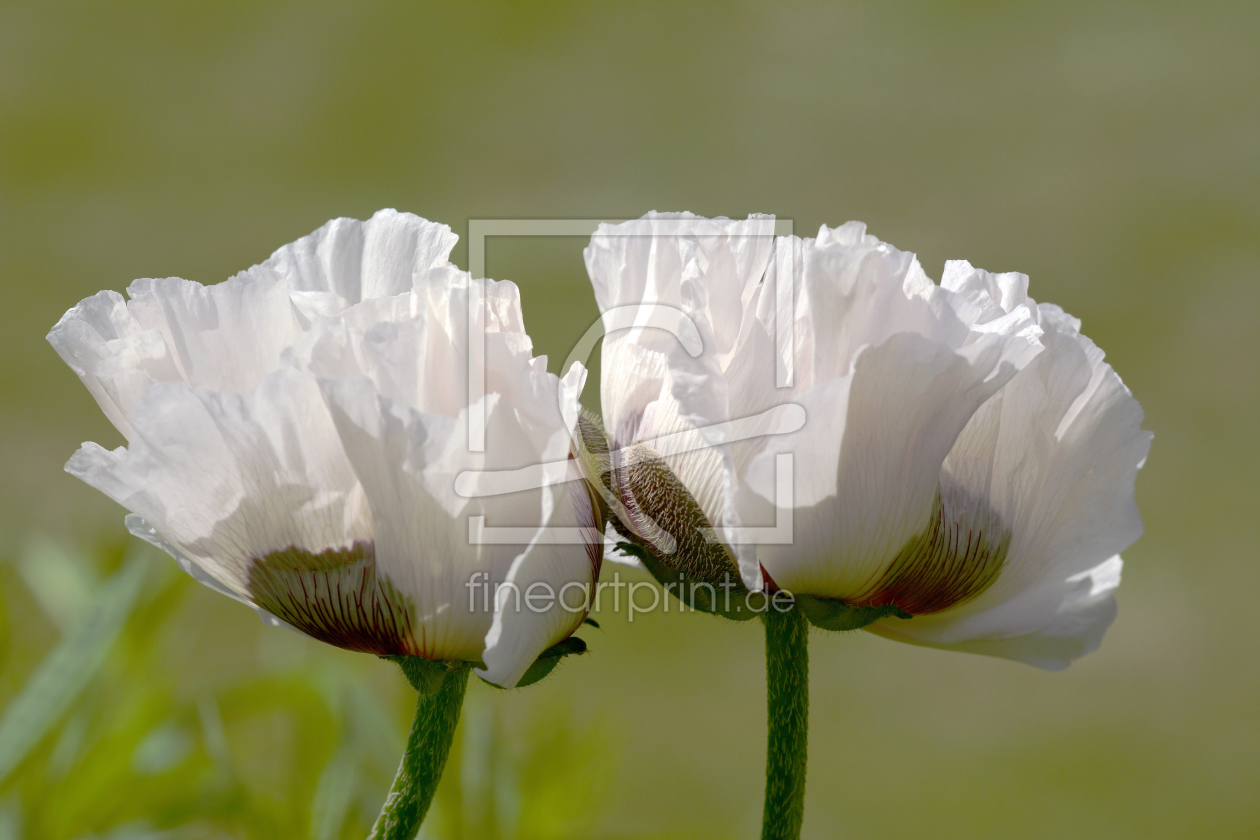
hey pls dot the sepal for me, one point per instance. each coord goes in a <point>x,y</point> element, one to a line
<point>591,451</point>
<point>546,662</point>
<point>656,510</point>
<point>830,614</point>
<point>730,600</point>
<point>426,675</point>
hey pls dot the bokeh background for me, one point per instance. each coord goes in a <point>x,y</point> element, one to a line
<point>1109,150</point>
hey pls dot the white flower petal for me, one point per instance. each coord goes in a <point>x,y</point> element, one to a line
<point>295,434</point>
<point>549,589</point>
<point>1084,610</point>
<point>935,433</point>
<point>421,543</point>
<point>99,330</point>
<point>656,386</point>
<point>389,389</point>
<point>348,261</point>
<point>994,294</point>
<point>852,291</point>
<point>869,458</point>
<point>137,527</point>
<point>643,261</point>
<point>224,337</point>
<point>269,472</point>
<point>1057,459</point>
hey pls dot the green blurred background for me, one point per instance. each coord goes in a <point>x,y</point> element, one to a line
<point>1111,151</point>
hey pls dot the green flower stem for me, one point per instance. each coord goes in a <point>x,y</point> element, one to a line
<point>432,730</point>
<point>787,708</point>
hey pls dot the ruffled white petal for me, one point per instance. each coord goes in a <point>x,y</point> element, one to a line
<point>851,294</point>
<point>994,295</point>
<point>421,542</point>
<point>295,434</point>
<point>912,391</point>
<point>1055,454</point>
<point>867,461</point>
<point>646,260</point>
<point>137,527</point>
<point>99,330</point>
<point>658,390</point>
<point>225,337</point>
<point>348,261</point>
<point>560,580</point>
<point>407,454</point>
<point>226,478</point>
<point>1073,627</point>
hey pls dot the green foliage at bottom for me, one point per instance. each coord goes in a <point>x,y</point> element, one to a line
<point>136,704</point>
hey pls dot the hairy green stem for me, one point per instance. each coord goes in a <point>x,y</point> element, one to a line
<point>787,709</point>
<point>432,730</point>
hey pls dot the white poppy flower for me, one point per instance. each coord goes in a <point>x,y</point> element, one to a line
<point>294,435</point>
<point>963,455</point>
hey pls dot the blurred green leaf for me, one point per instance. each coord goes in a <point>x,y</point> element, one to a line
<point>540,777</point>
<point>132,751</point>
<point>334,794</point>
<point>64,585</point>
<point>162,749</point>
<point>10,821</point>
<point>52,689</point>
<point>212,731</point>
<point>69,744</point>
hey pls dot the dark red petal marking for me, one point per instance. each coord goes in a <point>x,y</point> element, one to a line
<point>335,596</point>
<point>958,556</point>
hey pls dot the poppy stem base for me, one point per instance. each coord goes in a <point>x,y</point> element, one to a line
<point>432,730</point>
<point>787,708</point>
